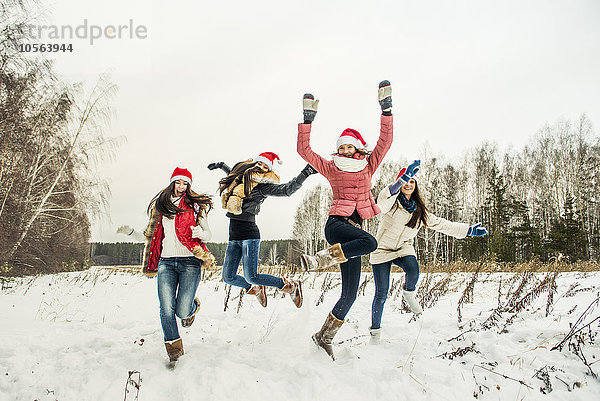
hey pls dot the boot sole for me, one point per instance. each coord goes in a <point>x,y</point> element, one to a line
<point>314,338</point>
<point>299,289</point>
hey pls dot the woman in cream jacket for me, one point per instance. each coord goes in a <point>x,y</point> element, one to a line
<point>403,215</point>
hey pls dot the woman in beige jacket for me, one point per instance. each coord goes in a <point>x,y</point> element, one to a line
<point>403,215</point>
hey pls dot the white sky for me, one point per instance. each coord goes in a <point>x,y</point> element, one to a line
<point>223,81</point>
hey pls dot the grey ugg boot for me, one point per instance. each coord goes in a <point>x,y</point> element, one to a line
<point>324,336</point>
<point>323,259</point>
<point>294,288</point>
<point>174,349</point>
<point>375,335</point>
<point>411,300</point>
<point>261,294</point>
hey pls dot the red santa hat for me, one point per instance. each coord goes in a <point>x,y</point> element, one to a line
<point>268,158</point>
<point>351,137</point>
<point>181,174</point>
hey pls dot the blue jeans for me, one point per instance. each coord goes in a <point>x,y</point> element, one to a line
<point>355,243</point>
<point>381,274</point>
<point>178,280</point>
<point>247,252</point>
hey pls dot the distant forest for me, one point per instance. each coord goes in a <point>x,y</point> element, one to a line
<point>272,252</point>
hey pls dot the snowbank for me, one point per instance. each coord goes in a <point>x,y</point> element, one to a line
<point>76,336</point>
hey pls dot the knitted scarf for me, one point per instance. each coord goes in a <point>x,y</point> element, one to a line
<point>349,164</point>
<point>409,204</point>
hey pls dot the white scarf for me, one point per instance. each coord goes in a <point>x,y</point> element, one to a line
<point>349,164</point>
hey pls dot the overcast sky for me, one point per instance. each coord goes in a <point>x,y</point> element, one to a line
<point>223,81</point>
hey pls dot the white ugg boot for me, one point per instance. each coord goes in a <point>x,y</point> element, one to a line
<point>375,335</point>
<point>411,301</point>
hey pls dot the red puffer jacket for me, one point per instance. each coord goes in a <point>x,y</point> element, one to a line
<point>155,234</point>
<point>350,190</point>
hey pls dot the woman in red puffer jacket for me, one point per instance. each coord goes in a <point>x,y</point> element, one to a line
<point>349,174</point>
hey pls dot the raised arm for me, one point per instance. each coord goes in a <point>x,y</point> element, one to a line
<point>289,187</point>
<point>221,165</point>
<point>386,131</point>
<point>309,106</point>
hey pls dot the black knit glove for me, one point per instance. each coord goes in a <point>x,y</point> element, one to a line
<point>308,170</point>
<point>214,166</point>
<point>309,106</point>
<point>385,97</point>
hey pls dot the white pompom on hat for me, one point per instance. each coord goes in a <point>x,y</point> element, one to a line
<point>181,174</point>
<point>351,137</point>
<point>268,158</point>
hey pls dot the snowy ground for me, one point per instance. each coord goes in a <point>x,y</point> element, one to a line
<point>76,336</point>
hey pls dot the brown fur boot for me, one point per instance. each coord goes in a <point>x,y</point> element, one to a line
<point>188,321</point>
<point>323,259</point>
<point>294,288</point>
<point>174,349</point>
<point>324,336</point>
<point>261,294</point>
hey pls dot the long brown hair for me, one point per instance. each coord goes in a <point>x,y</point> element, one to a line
<point>163,204</point>
<point>421,212</point>
<point>241,172</point>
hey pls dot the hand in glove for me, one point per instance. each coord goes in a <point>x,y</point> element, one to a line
<point>309,106</point>
<point>404,176</point>
<point>308,170</point>
<point>413,169</point>
<point>214,166</point>
<point>385,97</point>
<point>476,230</point>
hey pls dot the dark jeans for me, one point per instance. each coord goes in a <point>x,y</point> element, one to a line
<point>381,274</point>
<point>355,243</point>
<point>177,282</point>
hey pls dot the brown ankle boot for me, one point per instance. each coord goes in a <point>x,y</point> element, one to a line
<point>174,349</point>
<point>261,294</point>
<point>324,336</point>
<point>294,288</point>
<point>188,321</point>
<point>323,259</point>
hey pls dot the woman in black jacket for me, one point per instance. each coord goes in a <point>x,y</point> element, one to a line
<point>243,190</point>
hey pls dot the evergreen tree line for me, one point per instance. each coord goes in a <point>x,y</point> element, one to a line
<point>50,145</point>
<point>540,202</point>
<point>282,252</point>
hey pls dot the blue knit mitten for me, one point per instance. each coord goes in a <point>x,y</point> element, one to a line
<point>476,230</point>
<point>404,176</point>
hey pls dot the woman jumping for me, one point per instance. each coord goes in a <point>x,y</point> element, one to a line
<point>246,186</point>
<point>404,213</point>
<point>349,174</point>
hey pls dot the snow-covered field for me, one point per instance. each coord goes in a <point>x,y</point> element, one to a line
<point>76,336</point>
